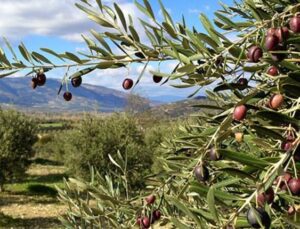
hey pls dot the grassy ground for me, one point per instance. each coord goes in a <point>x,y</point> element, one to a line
<point>33,202</point>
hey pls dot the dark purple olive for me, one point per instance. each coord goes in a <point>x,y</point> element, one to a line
<point>273,71</point>
<point>41,79</point>
<point>282,34</point>
<point>254,54</point>
<point>286,145</point>
<point>278,56</point>
<point>265,197</point>
<point>76,81</point>
<point>34,83</point>
<point>284,178</point>
<point>150,199</point>
<point>157,79</point>
<point>146,222</point>
<point>297,153</point>
<point>294,186</point>
<point>201,173</point>
<point>271,43</point>
<point>271,32</point>
<point>242,83</point>
<point>213,154</point>
<point>127,84</point>
<point>257,216</point>
<point>67,96</point>
<point>295,24</point>
<point>140,55</point>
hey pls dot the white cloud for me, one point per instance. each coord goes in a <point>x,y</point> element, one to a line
<point>20,18</point>
<point>198,11</point>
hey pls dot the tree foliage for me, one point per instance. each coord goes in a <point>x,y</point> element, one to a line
<point>95,140</point>
<point>17,136</point>
<point>254,135</point>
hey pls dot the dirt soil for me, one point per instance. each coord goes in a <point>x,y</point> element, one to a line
<point>20,207</point>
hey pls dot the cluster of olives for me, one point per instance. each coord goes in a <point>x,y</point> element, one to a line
<point>128,83</point>
<point>275,41</point>
<point>145,222</point>
<point>38,80</point>
<point>76,82</point>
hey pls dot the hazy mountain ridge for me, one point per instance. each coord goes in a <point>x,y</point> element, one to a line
<point>17,93</point>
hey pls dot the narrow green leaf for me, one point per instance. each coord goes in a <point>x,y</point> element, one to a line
<point>244,158</point>
<point>187,68</point>
<point>182,207</point>
<point>105,65</point>
<point>134,33</point>
<point>227,21</point>
<point>170,30</point>
<point>100,38</point>
<point>10,48</point>
<point>179,224</point>
<point>52,53</point>
<point>211,203</point>
<point>24,52</point>
<point>41,57</point>
<point>149,8</point>
<point>72,57</point>
<point>141,74</point>
<point>209,28</point>
<point>2,75</point>
<point>121,16</point>
<point>82,72</point>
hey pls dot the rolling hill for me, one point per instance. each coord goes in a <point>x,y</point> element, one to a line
<point>17,93</point>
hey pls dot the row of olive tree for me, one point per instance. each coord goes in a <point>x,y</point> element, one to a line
<point>208,178</point>
<point>17,137</point>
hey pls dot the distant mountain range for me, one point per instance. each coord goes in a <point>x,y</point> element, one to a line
<point>17,93</point>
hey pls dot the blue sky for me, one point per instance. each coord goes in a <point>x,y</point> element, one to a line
<point>57,24</point>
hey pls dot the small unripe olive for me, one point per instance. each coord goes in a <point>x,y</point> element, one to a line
<point>239,137</point>
<point>239,112</point>
<point>291,210</point>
